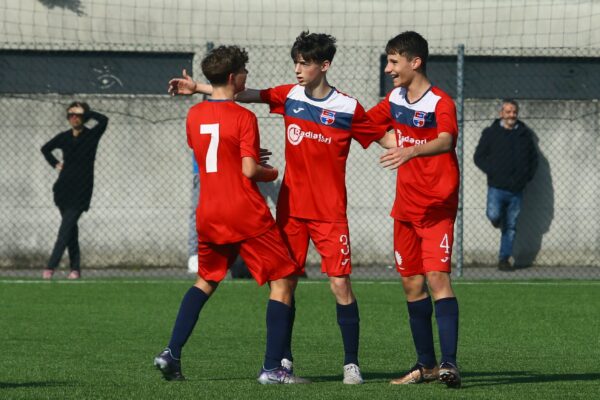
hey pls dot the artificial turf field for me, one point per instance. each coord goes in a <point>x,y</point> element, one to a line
<point>96,340</point>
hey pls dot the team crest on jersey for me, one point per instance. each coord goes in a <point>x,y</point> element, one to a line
<point>327,117</point>
<point>419,118</point>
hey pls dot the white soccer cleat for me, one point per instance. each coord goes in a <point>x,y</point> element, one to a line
<point>352,375</point>
<point>193,264</point>
<point>279,376</point>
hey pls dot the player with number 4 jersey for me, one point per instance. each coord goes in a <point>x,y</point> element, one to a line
<point>424,121</point>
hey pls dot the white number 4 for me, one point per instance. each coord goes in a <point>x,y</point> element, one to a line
<point>444,244</point>
<point>211,155</point>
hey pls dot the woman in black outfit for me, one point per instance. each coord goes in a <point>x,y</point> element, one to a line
<point>75,183</point>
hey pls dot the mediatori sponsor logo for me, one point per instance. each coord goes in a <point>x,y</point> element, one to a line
<point>409,140</point>
<point>295,135</point>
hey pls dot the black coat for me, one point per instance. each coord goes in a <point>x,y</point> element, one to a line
<point>509,158</point>
<point>75,183</point>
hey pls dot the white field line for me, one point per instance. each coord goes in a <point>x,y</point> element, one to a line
<point>302,282</point>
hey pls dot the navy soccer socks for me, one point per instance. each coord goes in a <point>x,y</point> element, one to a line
<point>278,325</point>
<point>189,310</point>
<point>446,314</point>
<point>348,320</point>
<point>420,313</point>
<point>287,351</point>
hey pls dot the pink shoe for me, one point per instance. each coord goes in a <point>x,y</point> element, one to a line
<point>74,274</point>
<point>47,273</point>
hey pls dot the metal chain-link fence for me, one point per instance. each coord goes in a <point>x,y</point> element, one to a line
<point>137,223</point>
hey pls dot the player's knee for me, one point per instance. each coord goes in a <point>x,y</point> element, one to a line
<point>414,287</point>
<point>282,285</point>
<point>282,290</point>
<point>207,287</point>
<point>439,284</point>
<point>340,286</point>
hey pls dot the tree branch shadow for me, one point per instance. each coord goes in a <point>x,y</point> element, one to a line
<point>71,5</point>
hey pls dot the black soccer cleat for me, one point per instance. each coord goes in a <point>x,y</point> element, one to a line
<point>169,366</point>
<point>449,374</point>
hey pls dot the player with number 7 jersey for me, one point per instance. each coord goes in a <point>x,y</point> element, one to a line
<point>231,209</point>
<point>232,217</point>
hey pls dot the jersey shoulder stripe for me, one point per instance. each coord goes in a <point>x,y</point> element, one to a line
<point>336,110</point>
<point>420,114</point>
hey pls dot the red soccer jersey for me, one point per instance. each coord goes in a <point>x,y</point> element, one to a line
<point>426,187</point>
<point>318,133</point>
<point>230,208</point>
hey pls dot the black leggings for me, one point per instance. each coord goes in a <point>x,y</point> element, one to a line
<point>68,237</point>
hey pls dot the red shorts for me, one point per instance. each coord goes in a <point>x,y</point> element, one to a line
<point>266,256</point>
<point>421,247</point>
<point>331,239</point>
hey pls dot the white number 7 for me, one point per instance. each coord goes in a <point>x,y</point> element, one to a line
<point>211,155</point>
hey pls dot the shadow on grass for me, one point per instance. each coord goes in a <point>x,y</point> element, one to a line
<point>17,385</point>
<point>474,379</point>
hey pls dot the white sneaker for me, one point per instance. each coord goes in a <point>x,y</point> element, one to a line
<point>279,376</point>
<point>193,264</point>
<point>352,375</point>
<point>287,365</point>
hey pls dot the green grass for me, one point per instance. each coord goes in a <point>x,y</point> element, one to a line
<point>96,340</point>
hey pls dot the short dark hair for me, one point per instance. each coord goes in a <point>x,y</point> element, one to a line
<point>509,101</point>
<point>314,47</point>
<point>410,45</point>
<point>222,61</point>
<point>85,106</point>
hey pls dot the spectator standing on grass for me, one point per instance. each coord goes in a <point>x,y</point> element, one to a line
<point>507,154</point>
<point>75,183</point>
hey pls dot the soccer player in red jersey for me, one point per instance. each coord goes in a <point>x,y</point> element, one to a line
<point>233,216</point>
<point>423,118</point>
<point>320,123</point>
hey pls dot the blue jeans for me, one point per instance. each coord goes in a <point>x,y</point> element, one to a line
<point>503,208</point>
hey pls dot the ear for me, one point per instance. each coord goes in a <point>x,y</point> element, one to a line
<point>231,78</point>
<point>416,63</point>
<point>325,65</point>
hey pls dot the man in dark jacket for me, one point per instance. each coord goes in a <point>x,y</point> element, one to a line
<point>75,183</point>
<point>507,154</point>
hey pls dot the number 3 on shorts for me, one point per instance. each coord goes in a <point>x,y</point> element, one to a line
<point>345,241</point>
<point>211,155</point>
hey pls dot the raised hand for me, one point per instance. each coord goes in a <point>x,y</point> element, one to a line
<point>182,86</point>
